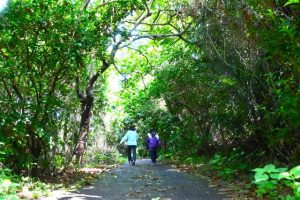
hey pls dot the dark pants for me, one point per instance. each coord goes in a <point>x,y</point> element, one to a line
<point>133,149</point>
<point>153,155</point>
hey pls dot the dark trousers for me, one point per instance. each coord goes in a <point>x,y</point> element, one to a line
<point>131,148</point>
<point>153,155</point>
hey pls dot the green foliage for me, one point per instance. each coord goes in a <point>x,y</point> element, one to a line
<point>232,81</point>
<point>106,158</point>
<point>14,187</point>
<point>229,166</point>
<point>36,76</point>
<point>44,46</point>
<point>8,186</point>
<point>215,76</point>
<point>291,2</point>
<point>194,160</point>
<point>59,161</point>
<point>271,180</point>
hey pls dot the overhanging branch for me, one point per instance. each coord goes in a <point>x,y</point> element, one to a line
<point>120,72</point>
<point>140,52</point>
<point>108,2</point>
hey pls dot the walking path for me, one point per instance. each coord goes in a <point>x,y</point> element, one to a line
<point>144,181</point>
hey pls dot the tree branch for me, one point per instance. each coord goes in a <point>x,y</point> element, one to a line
<point>105,65</point>
<point>116,46</point>
<point>6,89</point>
<point>152,37</point>
<point>142,78</point>
<point>142,55</point>
<point>108,2</point>
<point>90,88</point>
<point>85,4</point>
<point>120,72</point>
<point>93,79</point>
<point>78,91</point>
<point>18,93</point>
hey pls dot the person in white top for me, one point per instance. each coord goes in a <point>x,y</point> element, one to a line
<point>131,137</point>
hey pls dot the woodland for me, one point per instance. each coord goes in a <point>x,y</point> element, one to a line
<point>219,80</point>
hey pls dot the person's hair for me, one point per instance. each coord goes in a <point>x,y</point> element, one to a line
<point>152,131</point>
<point>132,128</point>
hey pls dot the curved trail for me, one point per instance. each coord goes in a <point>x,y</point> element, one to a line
<point>144,181</point>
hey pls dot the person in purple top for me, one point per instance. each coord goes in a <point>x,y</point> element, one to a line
<point>153,143</point>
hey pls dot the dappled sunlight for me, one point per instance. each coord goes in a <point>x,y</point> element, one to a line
<point>173,170</point>
<point>80,197</point>
<point>89,188</point>
<point>3,5</point>
<point>218,81</point>
<point>58,195</point>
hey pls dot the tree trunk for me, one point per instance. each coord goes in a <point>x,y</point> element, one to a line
<point>87,102</point>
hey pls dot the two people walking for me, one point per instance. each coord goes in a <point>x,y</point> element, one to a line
<point>152,144</point>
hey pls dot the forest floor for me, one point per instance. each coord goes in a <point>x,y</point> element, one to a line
<point>144,181</point>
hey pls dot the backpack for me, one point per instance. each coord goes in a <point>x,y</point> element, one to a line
<point>153,142</point>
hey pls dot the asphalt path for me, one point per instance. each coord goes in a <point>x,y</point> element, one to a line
<point>145,181</point>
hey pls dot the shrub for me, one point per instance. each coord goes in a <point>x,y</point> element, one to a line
<point>271,180</point>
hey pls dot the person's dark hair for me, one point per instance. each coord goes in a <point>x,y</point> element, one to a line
<point>132,128</point>
<point>152,131</point>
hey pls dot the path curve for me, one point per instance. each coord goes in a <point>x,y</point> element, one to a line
<point>144,181</point>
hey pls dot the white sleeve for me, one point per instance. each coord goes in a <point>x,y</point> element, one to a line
<point>124,138</point>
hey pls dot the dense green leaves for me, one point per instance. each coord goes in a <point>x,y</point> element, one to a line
<point>230,79</point>
<point>44,45</point>
<point>209,76</point>
<point>270,180</point>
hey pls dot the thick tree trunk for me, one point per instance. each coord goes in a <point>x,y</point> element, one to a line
<point>35,148</point>
<point>87,102</point>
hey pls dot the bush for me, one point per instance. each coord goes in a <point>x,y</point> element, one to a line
<point>8,187</point>
<point>228,166</point>
<point>108,158</point>
<point>271,181</point>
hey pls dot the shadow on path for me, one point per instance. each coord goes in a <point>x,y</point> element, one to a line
<point>144,181</point>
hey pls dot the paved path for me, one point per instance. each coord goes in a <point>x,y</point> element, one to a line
<point>144,181</point>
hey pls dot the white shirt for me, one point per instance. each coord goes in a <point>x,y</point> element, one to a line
<point>131,137</point>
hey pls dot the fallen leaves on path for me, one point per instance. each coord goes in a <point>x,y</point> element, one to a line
<point>235,189</point>
<point>73,179</point>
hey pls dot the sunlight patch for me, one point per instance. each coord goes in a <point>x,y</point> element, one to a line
<point>3,4</point>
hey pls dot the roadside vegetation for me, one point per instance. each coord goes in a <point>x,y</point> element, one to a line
<point>218,80</point>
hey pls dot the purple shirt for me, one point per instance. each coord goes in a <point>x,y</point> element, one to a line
<point>153,142</point>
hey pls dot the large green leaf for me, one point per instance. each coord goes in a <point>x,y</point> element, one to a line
<point>282,175</point>
<point>270,168</point>
<point>291,2</point>
<point>259,170</point>
<point>297,189</point>
<point>285,175</point>
<point>283,169</point>
<point>259,177</point>
<point>295,172</point>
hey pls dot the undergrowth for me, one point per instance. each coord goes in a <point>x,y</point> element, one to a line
<point>267,182</point>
